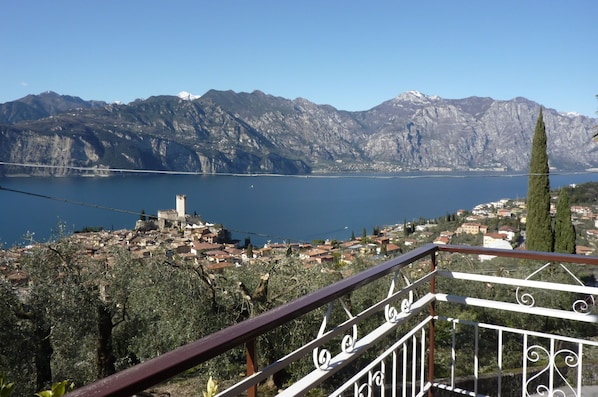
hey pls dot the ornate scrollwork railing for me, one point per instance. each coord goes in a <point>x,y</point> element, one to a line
<point>559,384</point>
<point>375,382</point>
<point>584,305</point>
<point>390,312</point>
<point>323,356</point>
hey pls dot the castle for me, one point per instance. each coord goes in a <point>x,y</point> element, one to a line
<point>174,217</point>
<point>190,225</point>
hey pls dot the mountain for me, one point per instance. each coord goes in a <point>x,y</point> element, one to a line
<point>33,107</point>
<point>415,131</point>
<point>229,132</point>
<point>159,133</point>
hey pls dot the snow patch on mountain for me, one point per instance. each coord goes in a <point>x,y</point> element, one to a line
<point>416,97</point>
<point>570,114</point>
<point>187,96</point>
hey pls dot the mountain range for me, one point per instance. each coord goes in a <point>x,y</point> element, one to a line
<point>229,132</point>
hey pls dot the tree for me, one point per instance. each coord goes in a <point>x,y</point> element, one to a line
<point>539,235</point>
<point>40,307</point>
<point>74,305</point>
<point>564,231</point>
<point>86,316</point>
<point>142,216</point>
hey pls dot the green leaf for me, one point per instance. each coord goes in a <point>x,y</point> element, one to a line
<point>59,389</point>
<point>5,388</point>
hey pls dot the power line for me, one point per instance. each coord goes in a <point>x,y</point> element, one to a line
<point>70,201</point>
<point>97,206</point>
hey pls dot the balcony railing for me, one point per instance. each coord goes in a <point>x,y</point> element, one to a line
<point>443,323</point>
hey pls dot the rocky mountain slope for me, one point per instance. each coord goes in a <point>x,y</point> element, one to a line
<point>228,132</point>
<point>33,107</point>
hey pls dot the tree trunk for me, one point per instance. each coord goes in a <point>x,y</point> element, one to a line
<point>43,347</point>
<point>43,355</point>
<point>105,357</point>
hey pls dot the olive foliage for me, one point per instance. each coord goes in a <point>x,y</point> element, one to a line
<point>82,317</point>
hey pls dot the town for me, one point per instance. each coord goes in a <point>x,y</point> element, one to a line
<point>188,238</point>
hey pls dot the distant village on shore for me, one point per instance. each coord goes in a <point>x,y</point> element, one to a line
<point>187,237</point>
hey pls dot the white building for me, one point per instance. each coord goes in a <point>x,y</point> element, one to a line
<point>494,240</point>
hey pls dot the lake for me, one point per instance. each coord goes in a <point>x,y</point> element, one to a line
<point>263,208</point>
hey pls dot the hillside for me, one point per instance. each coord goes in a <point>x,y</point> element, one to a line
<point>228,132</point>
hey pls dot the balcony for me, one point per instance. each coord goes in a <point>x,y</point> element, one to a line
<point>444,322</point>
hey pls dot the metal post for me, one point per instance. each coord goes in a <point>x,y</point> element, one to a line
<point>431,327</point>
<point>251,365</point>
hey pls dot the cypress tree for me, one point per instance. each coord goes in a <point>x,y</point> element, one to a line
<point>539,235</point>
<point>564,231</point>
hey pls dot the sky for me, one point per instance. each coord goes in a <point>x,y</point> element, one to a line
<point>350,54</point>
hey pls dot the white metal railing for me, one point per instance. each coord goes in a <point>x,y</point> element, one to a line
<point>393,347</point>
<point>409,351</point>
<point>547,368</point>
<point>402,369</point>
<point>351,346</point>
<point>552,360</point>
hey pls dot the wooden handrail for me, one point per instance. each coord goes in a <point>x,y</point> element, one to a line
<point>520,254</point>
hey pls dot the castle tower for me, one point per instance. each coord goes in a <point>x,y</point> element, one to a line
<point>181,209</point>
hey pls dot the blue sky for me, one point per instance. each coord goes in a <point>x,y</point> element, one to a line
<point>352,55</point>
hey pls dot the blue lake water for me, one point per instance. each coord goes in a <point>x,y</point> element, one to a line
<point>274,208</point>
